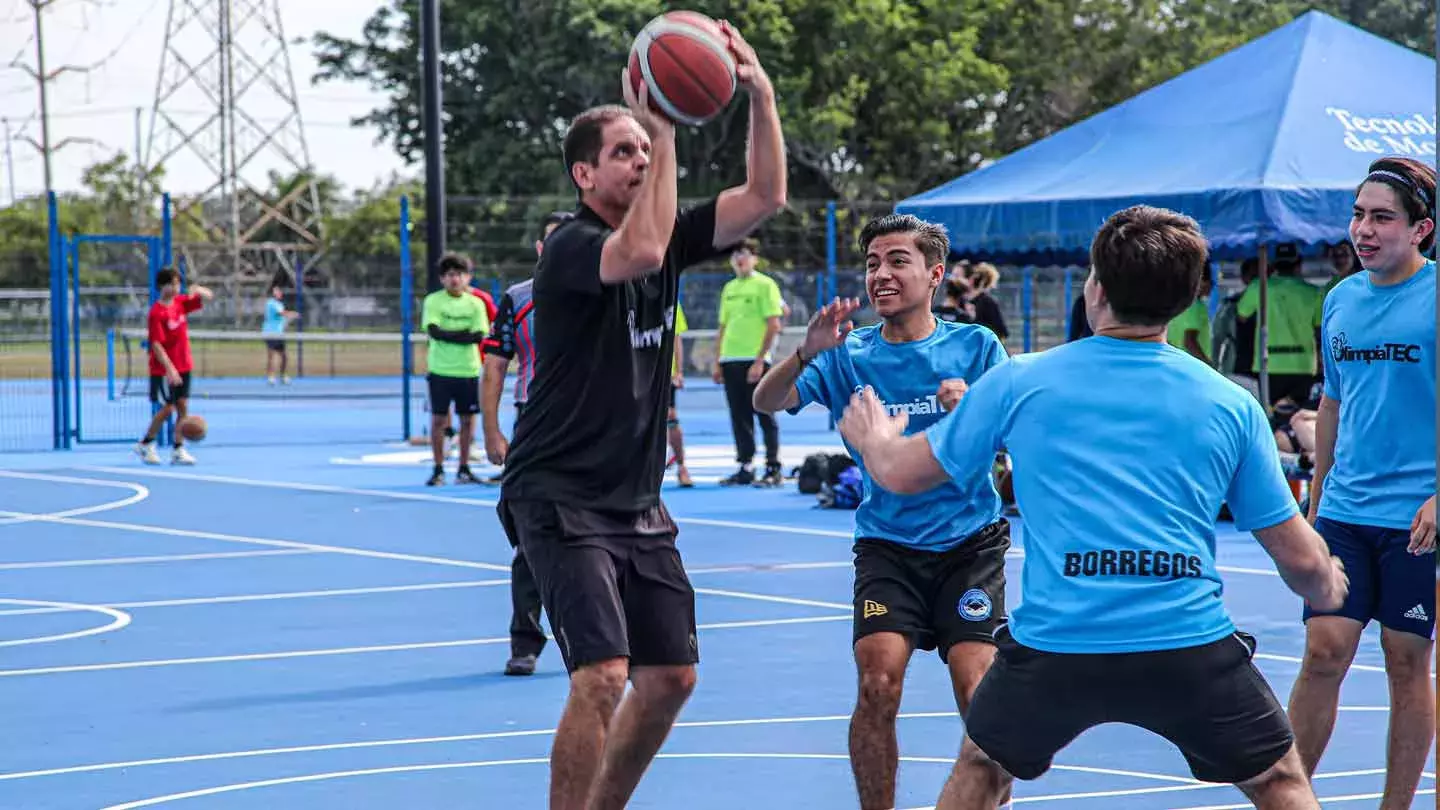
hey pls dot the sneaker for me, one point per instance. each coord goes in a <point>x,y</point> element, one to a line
<point>520,665</point>
<point>772,477</point>
<point>740,478</point>
<point>437,478</point>
<point>181,456</point>
<point>270,379</point>
<point>683,476</point>
<point>464,476</point>
<point>146,452</point>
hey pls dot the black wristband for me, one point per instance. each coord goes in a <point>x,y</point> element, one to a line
<point>800,355</point>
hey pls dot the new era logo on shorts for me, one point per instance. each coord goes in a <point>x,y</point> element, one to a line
<point>974,605</point>
<point>872,609</point>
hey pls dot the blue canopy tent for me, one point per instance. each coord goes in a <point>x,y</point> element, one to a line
<point>1262,145</point>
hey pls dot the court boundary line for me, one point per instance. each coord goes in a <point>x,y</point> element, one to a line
<point>118,620</point>
<point>158,558</point>
<point>399,742</point>
<point>139,493</point>
<point>334,651</point>
<point>268,597</point>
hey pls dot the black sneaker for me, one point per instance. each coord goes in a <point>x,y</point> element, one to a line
<point>772,477</point>
<point>437,478</point>
<point>520,665</point>
<point>740,478</point>
<point>464,476</point>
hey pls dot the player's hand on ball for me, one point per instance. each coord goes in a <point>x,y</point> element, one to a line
<point>654,123</point>
<point>867,421</point>
<point>1422,529</point>
<point>951,392</point>
<point>829,326</point>
<point>748,72</point>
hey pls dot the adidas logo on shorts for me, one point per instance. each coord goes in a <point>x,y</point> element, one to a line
<point>1417,613</point>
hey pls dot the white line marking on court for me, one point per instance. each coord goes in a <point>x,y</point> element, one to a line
<point>272,656</point>
<point>1290,659</point>
<point>442,766</point>
<point>784,600</point>
<point>163,558</point>
<point>260,541</point>
<point>265,597</point>
<point>140,493</point>
<point>756,568</point>
<point>118,619</point>
<point>482,736</point>
<point>1324,800</point>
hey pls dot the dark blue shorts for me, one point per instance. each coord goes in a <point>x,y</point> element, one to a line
<point>1387,583</point>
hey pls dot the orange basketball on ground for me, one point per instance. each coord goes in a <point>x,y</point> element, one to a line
<point>682,59</point>
<point>192,428</point>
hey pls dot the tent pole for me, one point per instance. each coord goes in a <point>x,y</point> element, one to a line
<point>1262,333</point>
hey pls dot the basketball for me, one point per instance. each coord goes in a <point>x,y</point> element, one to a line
<point>192,428</point>
<point>689,72</point>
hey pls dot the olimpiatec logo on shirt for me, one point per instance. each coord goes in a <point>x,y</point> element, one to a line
<point>1342,352</point>
<point>920,406</point>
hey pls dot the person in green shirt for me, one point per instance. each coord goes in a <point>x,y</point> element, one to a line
<point>1293,317</point>
<point>672,419</point>
<point>1190,331</point>
<point>750,310</point>
<point>455,323</point>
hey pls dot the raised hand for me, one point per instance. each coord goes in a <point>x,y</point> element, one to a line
<point>829,326</point>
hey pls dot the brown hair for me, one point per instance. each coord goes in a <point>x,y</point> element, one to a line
<point>1149,262</point>
<point>931,239</point>
<point>586,136</point>
<point>1415,187</point>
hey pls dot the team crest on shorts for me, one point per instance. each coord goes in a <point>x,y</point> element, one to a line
<point>974,606</point>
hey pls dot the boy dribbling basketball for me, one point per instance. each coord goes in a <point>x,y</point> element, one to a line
<point>170,361</point>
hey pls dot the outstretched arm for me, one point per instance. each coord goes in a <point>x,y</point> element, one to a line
<point>741,209</point>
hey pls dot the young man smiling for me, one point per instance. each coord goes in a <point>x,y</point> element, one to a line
<point>929,568</point>
<point>1373,493</point>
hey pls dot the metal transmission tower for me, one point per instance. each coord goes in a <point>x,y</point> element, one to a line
<point>226,107</point>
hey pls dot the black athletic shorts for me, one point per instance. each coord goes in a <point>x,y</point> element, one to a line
<point>275,345</point>
<point>1209,701</point>
<point>936,599</point>
<point>163,393</point>
<point>464,392</point>
<point>612,583</point>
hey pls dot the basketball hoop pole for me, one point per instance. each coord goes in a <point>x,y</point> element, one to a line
<point>1262,332</point>
<point>434,142</point>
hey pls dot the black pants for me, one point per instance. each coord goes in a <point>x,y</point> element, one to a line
<point>738,395</point>
<point>527,637</point>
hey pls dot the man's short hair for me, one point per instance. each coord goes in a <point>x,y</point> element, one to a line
<point>586,136</point>
<point>1149,262</point>
<point>458,262</point>
<point>933,241</point>
<point>166,276</point>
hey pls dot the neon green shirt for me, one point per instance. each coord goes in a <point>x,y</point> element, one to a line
<point>453,313</point>
<point>681,327</point>
<point>746,304</point>
<point>1295,306</point>
<point>1197,317</point>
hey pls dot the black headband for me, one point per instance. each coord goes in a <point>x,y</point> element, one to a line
<point>1382,175</point>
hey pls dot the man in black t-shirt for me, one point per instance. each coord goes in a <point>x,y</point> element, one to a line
<point>581,489</point>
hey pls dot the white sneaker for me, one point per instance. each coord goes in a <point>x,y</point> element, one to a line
<point>270,379</point>
<point>181,456</point>
<point>146,452</point>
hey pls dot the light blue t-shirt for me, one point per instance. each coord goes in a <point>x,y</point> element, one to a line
<point>274,317</point>
<point>907,376</point>
<point>1379,352</point>
<point>1123,452</point>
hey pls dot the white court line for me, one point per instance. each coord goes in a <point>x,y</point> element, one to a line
<point>496,735</point>
<point>260,541</point>
<point>442,766</point>
<point>140,493</point>
<point>272,656</point>
<point>118,620</point>
<point>1290,659</point>
<point>1325,800</point>
<point>784,600</point>
<point>265,597</point>
<point>163,558</point>
<point>756,568</point>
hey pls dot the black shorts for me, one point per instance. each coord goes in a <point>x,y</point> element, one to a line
<point>464,392</point>
<point>163,393</point>
<point>612,583</point>
<point>1209,701</point>
<point>275,345</point>
<point>936,599</point>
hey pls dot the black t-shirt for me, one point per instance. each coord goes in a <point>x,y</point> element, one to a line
<point>593,430</point>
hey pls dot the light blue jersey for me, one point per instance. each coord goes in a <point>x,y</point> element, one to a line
<point>274,317</point>
<point>907,376</point>
<point>1123,453</point>
<point>1379,352</point>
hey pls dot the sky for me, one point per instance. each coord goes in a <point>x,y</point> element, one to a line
<point>122,41</point>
